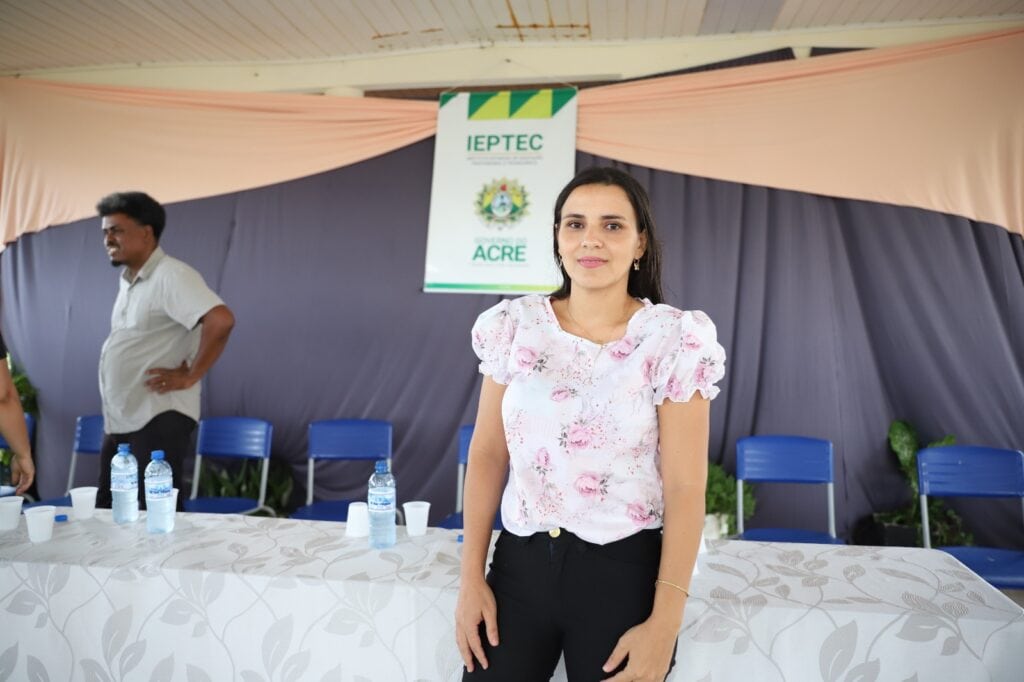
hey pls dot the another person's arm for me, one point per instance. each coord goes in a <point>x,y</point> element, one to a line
<point>683,442</point>
<point>485,479</point>
<point>217,325</point>
<point>15,432</point>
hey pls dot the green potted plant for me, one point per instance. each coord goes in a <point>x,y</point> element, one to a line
<point>902,527</point>
<point>243,480</point>
<point>720,503</point>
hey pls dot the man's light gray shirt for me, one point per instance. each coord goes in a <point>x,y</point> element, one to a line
<point>154,324</point>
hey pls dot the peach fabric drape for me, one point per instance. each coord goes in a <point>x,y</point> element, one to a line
<point>65,146</point>
<point>938,125</point>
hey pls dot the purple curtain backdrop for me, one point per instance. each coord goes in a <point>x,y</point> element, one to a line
<point>837,316</point>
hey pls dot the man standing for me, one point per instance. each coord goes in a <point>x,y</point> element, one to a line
<point>13,429</point>
<point>166,331</point>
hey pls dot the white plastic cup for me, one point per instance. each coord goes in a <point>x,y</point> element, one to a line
<point>83,501</point>
<point>416,513</point>
<point>40,522</point>
<point>10,511</point>
<point>357,525</point>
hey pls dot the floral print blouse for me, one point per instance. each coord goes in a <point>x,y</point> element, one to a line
<point>581,418</point>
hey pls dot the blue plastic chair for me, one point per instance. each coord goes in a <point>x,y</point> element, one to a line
<point>342,440</point>
<point>88,441</point>
<point>975,471</point>
<point>785,459</point>
<point>243,437</point>
<point>454,521</point>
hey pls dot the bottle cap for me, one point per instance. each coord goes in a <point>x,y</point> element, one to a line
<point>60,517</point>
<point>382,466</point>
<point>123,447</point>
<point>156,454</point>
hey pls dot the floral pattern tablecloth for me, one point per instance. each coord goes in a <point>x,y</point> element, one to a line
<point>244,598</point>
<point>774,611</point>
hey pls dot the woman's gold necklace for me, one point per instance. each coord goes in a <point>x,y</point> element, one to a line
<point>588,335</point>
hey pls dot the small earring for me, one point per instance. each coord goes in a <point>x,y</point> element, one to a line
<point>636,264</point>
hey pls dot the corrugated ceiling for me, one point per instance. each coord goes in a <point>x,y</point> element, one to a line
<point>61,34</point>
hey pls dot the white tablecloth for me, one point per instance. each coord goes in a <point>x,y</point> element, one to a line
<point>226,598</point>
<point>244,598</point>
<point>767,612</point>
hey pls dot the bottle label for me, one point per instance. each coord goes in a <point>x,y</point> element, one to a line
<point>381,499</point>
<point>123,481</point>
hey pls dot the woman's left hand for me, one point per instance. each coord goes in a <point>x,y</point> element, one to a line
<point>23,471</point>
<point>649,647</point>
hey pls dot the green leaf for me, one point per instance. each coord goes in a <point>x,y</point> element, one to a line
<point>946,526</point>
<point>903,442</point>
<point>233,479</point>
<point>948,440</point>
<point>720,496</point>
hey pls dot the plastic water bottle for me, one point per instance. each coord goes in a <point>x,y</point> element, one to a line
<point>380,499</point>
<point>124,485</point>
<point>159,494</point>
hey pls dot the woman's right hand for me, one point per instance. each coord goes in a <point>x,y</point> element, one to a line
<point>476,605</point>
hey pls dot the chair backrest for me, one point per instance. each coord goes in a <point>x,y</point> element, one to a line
<point>234,437</point>
<point>465,436</point>
<point>88,441</point>
<point>30,424</point>
<point>347,439</point>
<point>350,439</point>
<point>245,437</point>
<point>784,459</point>
<point>968,471</point>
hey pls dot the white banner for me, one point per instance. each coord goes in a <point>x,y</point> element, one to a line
<point>500,159</point>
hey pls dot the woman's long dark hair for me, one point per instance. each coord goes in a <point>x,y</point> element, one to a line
<point>643,283</point>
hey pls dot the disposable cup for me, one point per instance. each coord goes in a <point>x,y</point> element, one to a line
<point>40,522</point>
<point>83,501</point>
<point>358,523</point>
<point>416,513</point>
<point>10,511</point>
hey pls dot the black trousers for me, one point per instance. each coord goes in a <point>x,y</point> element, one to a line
<point>168,431</point>
<point>563,595</point>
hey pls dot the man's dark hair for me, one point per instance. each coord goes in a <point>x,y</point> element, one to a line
<point>139,206</point>
<point>643,283</point>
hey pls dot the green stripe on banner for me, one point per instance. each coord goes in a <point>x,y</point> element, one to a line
<point>455,286</point>
<point>488,106</point>
<point>447,97</point>
<point>560,97</point>
<point>517,104</point>
<point>536,105</point>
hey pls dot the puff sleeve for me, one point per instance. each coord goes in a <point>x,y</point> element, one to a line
<point>492,341</point>
<point>694,361</point>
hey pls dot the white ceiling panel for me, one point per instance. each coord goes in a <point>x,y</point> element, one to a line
<point>58,34</point>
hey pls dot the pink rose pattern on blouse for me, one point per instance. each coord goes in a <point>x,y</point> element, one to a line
<point>581,418</point>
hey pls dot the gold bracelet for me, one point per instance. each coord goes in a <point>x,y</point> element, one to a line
<point>678,587</point>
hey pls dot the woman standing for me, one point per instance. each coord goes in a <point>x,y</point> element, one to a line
<point>594,406</point>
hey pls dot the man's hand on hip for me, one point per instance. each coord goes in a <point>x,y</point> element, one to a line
<point>166,380</point>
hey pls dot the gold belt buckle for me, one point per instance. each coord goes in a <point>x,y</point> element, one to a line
<point>555,532</point>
